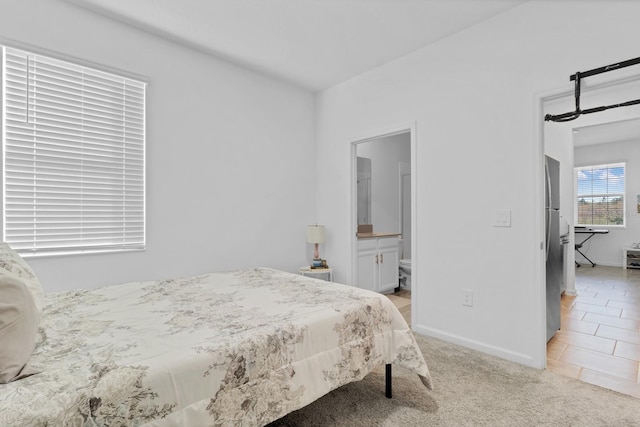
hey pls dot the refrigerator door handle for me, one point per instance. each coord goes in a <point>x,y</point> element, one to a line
<point>548,182</point>
<point>548,232</point>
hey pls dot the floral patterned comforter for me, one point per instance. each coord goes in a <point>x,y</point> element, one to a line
<point>236,348</point>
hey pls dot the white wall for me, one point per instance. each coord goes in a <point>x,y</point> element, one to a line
<point>472,97</point>
<point>230,169</point>
<point>607,249</point>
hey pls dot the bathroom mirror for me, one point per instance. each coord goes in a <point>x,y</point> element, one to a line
<point>364,190</point>
<point>380,174</point>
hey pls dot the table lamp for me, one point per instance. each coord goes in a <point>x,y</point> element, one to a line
<point>316,235</point>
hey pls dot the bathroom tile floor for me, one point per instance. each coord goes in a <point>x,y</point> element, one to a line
<point>599,337</point>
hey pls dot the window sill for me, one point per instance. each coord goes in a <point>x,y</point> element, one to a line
<point>78,252</point>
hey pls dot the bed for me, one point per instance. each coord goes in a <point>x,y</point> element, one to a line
<point>234,348</point>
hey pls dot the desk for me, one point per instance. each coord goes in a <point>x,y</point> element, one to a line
<point>591,232</point>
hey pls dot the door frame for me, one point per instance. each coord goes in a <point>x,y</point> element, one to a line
<point>539,271</point>
<point>370,135</point>
<point>402,171</point>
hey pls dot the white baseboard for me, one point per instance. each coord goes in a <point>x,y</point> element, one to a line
<point>502,353</point>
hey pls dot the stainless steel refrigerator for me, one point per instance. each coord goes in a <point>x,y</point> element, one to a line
<point>554,244</point>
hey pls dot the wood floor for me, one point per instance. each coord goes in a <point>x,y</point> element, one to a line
<point>402,300</point>
<point>599,337</point>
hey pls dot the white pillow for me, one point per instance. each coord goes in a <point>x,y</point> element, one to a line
<point>12,264</point>
<point>19,321</point>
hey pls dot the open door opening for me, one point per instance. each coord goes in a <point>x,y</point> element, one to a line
<point>383,218</point>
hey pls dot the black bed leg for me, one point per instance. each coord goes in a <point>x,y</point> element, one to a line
<point>387,381</point>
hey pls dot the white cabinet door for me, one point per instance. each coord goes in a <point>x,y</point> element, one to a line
<point>367,267</point>
<point>378,264</point>
<point>388,264</point>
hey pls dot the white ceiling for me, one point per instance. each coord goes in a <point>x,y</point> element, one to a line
<point>314,44</point>
<point>623,130</point>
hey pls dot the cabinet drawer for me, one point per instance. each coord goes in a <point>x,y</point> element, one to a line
<point>388,242</point>
<point>367,244</point>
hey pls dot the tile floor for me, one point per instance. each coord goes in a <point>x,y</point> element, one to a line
<point>599,337</point>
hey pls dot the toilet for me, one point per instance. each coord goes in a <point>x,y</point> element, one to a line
<point>404,266</point>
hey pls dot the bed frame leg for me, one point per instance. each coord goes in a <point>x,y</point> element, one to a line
<point>387,381</point>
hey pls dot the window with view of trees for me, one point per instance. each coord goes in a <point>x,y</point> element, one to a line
<point>600,194</point>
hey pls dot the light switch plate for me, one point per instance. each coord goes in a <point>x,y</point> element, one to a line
<point>502,218</point>
<point>467,297</point>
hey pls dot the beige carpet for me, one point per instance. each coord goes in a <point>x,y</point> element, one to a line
<point>470,389</point>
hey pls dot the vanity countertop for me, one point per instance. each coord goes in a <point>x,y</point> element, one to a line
<point>374,235</point>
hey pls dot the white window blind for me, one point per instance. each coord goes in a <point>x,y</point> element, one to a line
<point>600,194</point>
<point>73,157</point>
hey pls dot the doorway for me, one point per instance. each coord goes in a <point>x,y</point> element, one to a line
<point>587,345</point>
<point>390,205</point>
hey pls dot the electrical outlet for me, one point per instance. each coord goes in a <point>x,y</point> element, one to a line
<point>467,297</point>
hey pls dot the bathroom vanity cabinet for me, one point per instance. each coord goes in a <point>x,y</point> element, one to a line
<point>378,263</point>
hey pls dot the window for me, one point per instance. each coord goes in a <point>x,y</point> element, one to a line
<point>600,195</point>
<point>73,157</point>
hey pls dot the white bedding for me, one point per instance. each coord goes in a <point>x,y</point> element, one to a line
<point>237,348</point>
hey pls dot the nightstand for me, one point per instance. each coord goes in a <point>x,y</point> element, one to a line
<point>318,273</point>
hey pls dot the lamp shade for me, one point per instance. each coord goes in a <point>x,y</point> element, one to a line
<point>315,233</point>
